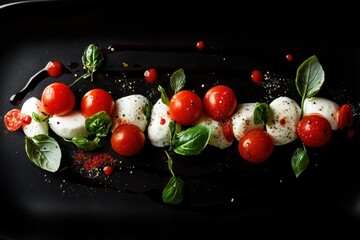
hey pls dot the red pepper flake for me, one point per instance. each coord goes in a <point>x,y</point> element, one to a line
<point>282,121</point>
<point>91,161</point>
<point>162,121</point>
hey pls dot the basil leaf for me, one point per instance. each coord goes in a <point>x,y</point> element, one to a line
<point>98,124</point>
<point>173,192</point>
<point>309,79</point>
<point>261,113</point>
<point>147,111</point>
<point>92,59</point>
<point>164,97</point>
<point>192,140</point>
<point>43,151</point>
<point>86,144</point>
<point>299,161</point>
<point>177,80</point>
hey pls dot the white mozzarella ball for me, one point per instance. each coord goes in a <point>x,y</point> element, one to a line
<point>30,106</point>
<point>217,137</point>
<point>69,126</point>
<point>130,109</point>
<point>243,119</point>
<point>284,118</point>
<point>158,129</point>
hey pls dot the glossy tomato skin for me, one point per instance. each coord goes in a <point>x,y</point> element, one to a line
<point>54,69</point>
<point>256,146</point>
<point>58,99</point>
<point>345,116</point>
<point>185,107</point>
<point>314,130</point>
<point>151,75</point>
<point>96,100</point>
<point>127,139</point>
<point>220,102</point>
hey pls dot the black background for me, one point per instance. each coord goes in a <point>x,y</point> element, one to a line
<point>268,200</point>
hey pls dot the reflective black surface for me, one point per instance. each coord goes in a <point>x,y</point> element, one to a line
<point>224,196</point>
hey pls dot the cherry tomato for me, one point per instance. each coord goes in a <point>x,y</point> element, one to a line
<point>151,75</point>
<point>256,146</point>
<point>314,130</point>
<point>58,99</point>
<point>97,100</point>
<point>227,129</point>
<point>13,119</point>
<point>257,77</point>
<point>108,170</point>
<point>127,139</point>
<point>220,102</point>
<point>200,44</point>
<point>54,69</point>
<point>185,107</point>
<point>345,116</point>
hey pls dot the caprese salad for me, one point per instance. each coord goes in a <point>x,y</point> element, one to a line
<point>180,122</point>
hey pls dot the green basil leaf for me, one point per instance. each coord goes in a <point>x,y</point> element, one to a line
<point>86,144</point>
<point>92,58</point>
<point>43,151</point>
<point>299,161</point>
<point>261,113</point>
<point>309,77</point>
<point>164,97</point>
<point>173,192</point>
<point>177,80</point>
<point>147,111</point>
<point>98,124</point>
<point>192,140</point>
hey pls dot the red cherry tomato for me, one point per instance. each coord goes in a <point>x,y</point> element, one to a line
<point>257,77</point>
<point>227,129</point>
<point>345,116</point>
<point>108,170</point>
<point>314,130</point>
<point>256,146</point>
<point>200,44</point>
<point>185,107</point>
<point>97,100</point>
<point>220,102</point>
<point>151,75</point>
<point>58,99</point>
<point>13,119</point>
<point>54,69</point>
<point>127,139</point>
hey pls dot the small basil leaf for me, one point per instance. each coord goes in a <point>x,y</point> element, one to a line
<point>43,151</point>
<point>164,97</point>
<point>309,77</point>
<point>98,124</point>
<point>192,140</point>
<point>173,192</point>
<point>92,58</point>
<point>177,80</point>
<point>299,161</point>
<point>261,113</point>
<point>86,144</point>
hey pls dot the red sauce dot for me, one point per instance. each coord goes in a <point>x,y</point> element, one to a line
<point>257,77</point>
<point>162,121</point>
<point>200,45</point>
<point>282,121</point>
<point>289,57</point>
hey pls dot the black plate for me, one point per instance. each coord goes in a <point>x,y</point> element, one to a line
<point>224,195</point>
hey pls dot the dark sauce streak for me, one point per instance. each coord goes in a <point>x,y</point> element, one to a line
<point>30,85</point>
